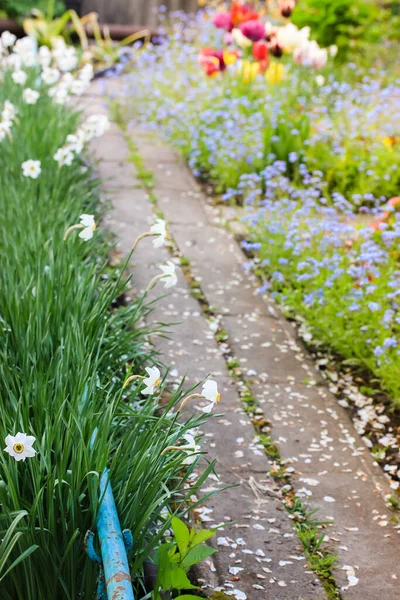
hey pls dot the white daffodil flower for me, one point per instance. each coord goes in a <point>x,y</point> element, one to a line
<point>169,274</point>
<point>210,392</point>
<point>13,61</point>
<point>64,156</point>
<point>86,73</point>
<point>31,168</point>
<point>8,39</point>
<point>9,111</point>
<point>26,49</point>
<point>50,76</point>
<point>160,230</point>
<point>5,129</point>
<point>20,446</point>
<point>152,381</point>
<point>30,96</point>
<point>78,87</point>
<point>320,80</point>
<point>19,77</point>
<point>44,57</point>
<point>76,141</point>
<point>191,448</point>
<point>89,227</point>
<point>95,126</point>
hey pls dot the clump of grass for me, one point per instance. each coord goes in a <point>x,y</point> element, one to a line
<point>67,346</point>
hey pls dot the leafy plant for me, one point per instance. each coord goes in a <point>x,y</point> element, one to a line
<point>105,51</point>
<point>340,22</point>
<point>47,29</point>
<point>20,9</point>
<point>174,559</point>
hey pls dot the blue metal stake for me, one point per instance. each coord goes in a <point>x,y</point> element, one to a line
<point>115,561</point>
<point>115,582</point>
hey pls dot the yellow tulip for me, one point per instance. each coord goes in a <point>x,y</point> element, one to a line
<point>250,70</point>
<point>229,57</point>
<point>275,73</point>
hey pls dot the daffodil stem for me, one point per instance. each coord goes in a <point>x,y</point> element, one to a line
<point>131,378</point>
<point>141,237</point>
<point>187,399</point>
<point>153,282</point>
<point>171,448</point>
<point>72,228</point>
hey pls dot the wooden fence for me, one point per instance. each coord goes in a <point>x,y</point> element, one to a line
<point>134,12</point>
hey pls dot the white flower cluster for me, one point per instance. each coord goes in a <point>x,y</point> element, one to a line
<point>94,126</point>
<point>67,84</point>
<point>7,118</point>
<point>16,54</point>
<point>55,64</point>
<point>305,51</point>
<point>290,37</point>
<point>65,57</point>
<point>30,96</point>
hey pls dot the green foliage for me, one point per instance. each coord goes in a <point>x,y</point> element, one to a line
<point>67,343</point>
<point>18,9</point>
<point>9,540</point>
<point>174,559</point>
<point>341,22</point>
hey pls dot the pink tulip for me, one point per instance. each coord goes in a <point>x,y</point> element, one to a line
<point>223,20</point>
<point>253,30</point>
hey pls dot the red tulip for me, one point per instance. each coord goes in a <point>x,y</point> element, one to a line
<point>212,60</point>
<point>210,65</point>
<point>260,50</point>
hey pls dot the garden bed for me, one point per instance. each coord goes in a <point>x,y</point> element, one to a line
<point>69,346</point>
<point>313,158</point>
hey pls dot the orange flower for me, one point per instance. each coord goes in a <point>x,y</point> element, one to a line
<point>394,201</point>
<point>242,13</point>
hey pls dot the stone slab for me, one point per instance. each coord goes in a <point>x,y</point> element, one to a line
<point>214,263</point>
<point>112,148</point>
<point>184,206</point>
<point>115,175</point>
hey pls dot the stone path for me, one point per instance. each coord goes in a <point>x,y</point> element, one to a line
<point>328,465</point>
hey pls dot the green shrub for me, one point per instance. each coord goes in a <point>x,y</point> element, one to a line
<point>17,9</point>
<point>344,23</point>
